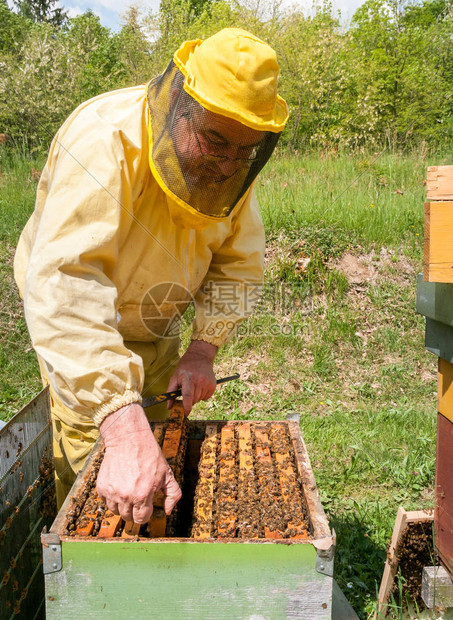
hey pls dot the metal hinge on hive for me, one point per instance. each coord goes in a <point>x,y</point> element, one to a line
<point>51,552</point>
<point>325,553</point>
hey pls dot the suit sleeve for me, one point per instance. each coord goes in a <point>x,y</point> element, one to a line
<point>234,281</point>
<point>70,300</point>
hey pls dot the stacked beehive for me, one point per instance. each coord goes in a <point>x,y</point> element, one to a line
<point>435,302</point>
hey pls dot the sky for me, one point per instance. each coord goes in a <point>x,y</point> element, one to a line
<point>110,11</point>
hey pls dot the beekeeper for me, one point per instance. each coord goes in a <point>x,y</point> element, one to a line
<point>146,203</point>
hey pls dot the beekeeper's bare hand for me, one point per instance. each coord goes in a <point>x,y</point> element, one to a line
<point>134,468</point>
<point>194,374</point>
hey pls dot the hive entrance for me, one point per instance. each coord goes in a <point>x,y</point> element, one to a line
<point>239,480</point>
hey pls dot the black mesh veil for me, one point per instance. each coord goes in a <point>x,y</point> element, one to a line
<point>202,159</point>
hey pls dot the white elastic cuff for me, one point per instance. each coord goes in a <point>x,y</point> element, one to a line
<point>115,403</point>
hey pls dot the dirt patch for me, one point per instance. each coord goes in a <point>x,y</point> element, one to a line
<point>364,269</point>
<point>428,376</point>
<point>428,496</point>
<point>247,368</point>
<point>357,269</point>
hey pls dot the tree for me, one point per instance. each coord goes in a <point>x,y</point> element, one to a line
<point>134,48</point>
<point>42,11</point>
<point>397,52</point>
<point>13,29</point>
<point>93,57</point>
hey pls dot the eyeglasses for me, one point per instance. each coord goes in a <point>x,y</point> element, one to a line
<point>214,151</point>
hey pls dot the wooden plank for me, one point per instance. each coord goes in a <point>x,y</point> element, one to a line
<point>23,430</point>
<point>435,300</point>
<point>341,607</point>
<point>173,444</point>
<point>170,446</point>
<point>159,432</point>
<point>226,498</point>
<point>438,249</point>
<point>199,580</point>
<point>439,183</point>
<point>391,564</point>
<point>445,389</point>
<point>158,521</point>
<point>172,440</point>
<point>269,491</point>
<point>157,525</point>
<point>439,339</point>
<point>319,526</point>
<point>207,479</point>
<point>443,518</point>
<point>158,499</point>
<point>286,473</point>
<point>437,587</point>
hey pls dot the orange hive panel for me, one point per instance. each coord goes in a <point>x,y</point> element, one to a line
<point>173,447</point>
<point>296,527</point>
<point>110,525</point>
<point>226,491</point>
<point>204,497</point>
<point>248,523</point>
<point>268,485</point>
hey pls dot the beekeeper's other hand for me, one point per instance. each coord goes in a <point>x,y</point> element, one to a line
<point>194,374</point>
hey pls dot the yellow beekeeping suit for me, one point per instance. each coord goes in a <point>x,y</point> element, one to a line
<point>107,254</point>
<point>100,237</point>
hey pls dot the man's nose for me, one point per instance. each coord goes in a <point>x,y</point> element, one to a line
<point>227,166</point>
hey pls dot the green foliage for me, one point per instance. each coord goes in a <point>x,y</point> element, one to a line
<point>334,203</point>
<point>12,32</point>
<point>401,43</point>
<point>19,374</point>
<point>53,71</point>
<point>370,85</point>
<point>134,50</point>
<point>42,11</point>
<point>312,59</point>
<point>94,56</point>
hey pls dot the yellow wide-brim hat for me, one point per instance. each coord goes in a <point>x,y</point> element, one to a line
<point>233,73</point>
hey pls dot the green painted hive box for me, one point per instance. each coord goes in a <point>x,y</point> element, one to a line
<point>249,539</point>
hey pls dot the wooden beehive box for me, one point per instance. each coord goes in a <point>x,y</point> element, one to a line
<point>27,505</point>
<point>435,302</point>
<point>249,539</point>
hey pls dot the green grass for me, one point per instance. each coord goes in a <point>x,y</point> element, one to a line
<point>18,180</point>
<point>19,374</point>
<point>347,354</point>
<point>357,197</point>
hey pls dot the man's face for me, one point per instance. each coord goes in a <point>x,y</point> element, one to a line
<point>212,148</point>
